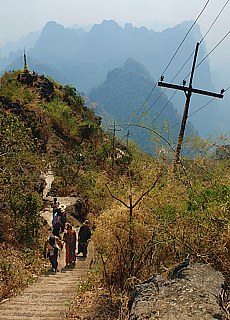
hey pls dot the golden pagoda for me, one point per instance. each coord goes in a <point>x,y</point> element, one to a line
<point>26,68</point>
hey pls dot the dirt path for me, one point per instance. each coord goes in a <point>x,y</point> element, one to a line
<point>51,296</point>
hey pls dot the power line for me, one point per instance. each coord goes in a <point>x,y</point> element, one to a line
<point>158,115</point>
<point>208,54</point>
<point>188,76</point>
<point>155,101</point>
<point>188,92</point>
<point>202,39</point>
<point>143,104</point>
<point>185,37</point>
<point>197,67</point>
<point>189,73</point>
<point>173,150</point>
<point>178,48</point>
<point>227,89</point>
<point>113,142</point>
<point>213,49</point>
<point>166,89</point>
<point>214,21</point>
<point>205,105</point>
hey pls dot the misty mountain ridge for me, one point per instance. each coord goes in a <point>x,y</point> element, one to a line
<point>85,58</point>
<point>107,44</point>
<point>27,41</point>
<point>121,96</point>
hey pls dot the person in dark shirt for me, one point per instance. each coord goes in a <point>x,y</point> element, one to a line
<point>55,205</point>
<point>84,236</point>
<point>51,249</point>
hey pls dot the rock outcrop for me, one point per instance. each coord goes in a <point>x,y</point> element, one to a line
<point>192,294</point>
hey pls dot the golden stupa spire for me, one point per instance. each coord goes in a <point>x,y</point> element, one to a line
<point>26,68</point>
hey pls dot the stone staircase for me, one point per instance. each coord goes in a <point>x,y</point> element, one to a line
<point>51,296</point>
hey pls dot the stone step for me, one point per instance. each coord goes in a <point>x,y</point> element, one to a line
<point>51,296</point>
<point>38,313</point>
<point>44,299</point>
<point>35,308</point>
<point>34,304</point>
<point>31,317</point>
<point>53,288</point>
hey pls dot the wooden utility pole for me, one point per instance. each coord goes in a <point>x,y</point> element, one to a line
<point>188,92</point>
<point>127,139</point>
<point>114,133</point>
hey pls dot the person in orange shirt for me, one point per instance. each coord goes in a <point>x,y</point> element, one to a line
<point>69,238</point>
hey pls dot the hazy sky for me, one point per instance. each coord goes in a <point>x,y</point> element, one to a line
<point>19,17</point>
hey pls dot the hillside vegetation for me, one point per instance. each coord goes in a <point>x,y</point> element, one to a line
<point>121,96</point>
<point>145,217</point>
<point>42,124</point>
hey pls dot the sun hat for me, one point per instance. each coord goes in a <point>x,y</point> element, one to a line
<point>86,222</point>
<point>62,207</point>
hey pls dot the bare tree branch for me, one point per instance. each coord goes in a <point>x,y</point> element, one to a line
<point>144,194</point>
<point>117,198</point>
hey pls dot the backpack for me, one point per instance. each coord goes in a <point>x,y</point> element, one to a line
<point>52,240</point>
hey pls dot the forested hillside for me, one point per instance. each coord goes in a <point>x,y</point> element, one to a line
<point>145,216</point>
<point>121,96</point>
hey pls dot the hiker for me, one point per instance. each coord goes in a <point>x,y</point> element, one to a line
<point>84,236</point>
<point>63,217</point>
<point>52,245</point>
<point>55,204</point>
<point>78,206</point>
<point>70,240</point>
<point>56,222</point>
<point>87,206</point>
<point>81,208</point>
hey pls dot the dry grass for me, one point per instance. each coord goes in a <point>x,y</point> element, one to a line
<point>92,305</point>
<point>179,217</point>
<point>18,268</point>
<point>20,265</point>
